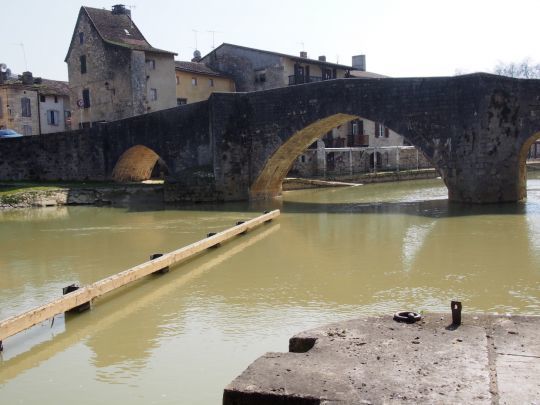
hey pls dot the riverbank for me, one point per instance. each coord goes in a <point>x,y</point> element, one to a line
<point>26,194</point>
<point>293,183</point>
<point>378,360</point>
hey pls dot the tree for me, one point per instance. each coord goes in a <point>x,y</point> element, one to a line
<point>524,70</point>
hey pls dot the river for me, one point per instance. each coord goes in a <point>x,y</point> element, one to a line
<point>182,337</point>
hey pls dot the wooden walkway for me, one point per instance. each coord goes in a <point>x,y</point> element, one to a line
<point>83,295</point>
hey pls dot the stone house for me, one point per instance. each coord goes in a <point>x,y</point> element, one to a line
<point>113,71</point>
<point>34,106</point>
<point>195,81</point>
<point>359,146</point>
<point>256,69</point>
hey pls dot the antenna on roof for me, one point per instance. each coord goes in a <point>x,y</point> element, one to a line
<point>337,59</point>
<point>301,43</point>
<point>213,35</point>
<point>196,32</point>
<point>24,55</point>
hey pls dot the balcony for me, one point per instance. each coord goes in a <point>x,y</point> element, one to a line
<point>303,79</point>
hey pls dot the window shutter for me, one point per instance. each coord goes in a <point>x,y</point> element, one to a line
<point>25,107</point>
<point>86,98</point>
<point>377,130</point>
<point>386,132</point>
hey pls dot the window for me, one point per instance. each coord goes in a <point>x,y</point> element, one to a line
<point>193,81</point>
<point>81,38</point>
<point>86,98</point>
<point>380,131</point>
<point>150,64</point>
<point>153,94</point>
<point>25,107</point>
<point>83,64</point>
<point>181,101</point>
<point>260,76</point>
<point>56,99</point>
<point>326,74</point>
<point>42,98</point>
<point>211,82</point>
<point>53,117</point>
<point>1,108</point>
<point>177,80</point>
<point>27,130</point>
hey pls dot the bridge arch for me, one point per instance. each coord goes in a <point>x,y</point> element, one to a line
<point>522,162</point>
<point>270,179</point>
<point>137,164</point>
<point>268,182</point>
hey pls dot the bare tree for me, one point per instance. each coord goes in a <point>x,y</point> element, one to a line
<point>526,69</point>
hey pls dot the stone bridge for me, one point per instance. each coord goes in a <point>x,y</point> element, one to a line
<point>475,129</point>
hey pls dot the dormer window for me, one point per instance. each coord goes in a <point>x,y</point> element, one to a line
<point>126,31</point>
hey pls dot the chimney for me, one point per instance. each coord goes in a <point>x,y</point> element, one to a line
<point>303,54</point>
<point>120,9</point>
<point>27,78</point>
<point>196,56</point>
<point>322,58</point>
<point>359,62</point>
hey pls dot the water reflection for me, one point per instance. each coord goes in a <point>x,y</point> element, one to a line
<point>123,335</point>
<point>331,255</point>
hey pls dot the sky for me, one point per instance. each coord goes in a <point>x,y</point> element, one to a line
<point>400,38</point>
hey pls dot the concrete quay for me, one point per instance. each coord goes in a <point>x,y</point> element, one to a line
<point>488,359</point>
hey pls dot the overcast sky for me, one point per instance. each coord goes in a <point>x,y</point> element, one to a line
<point>399,37</point>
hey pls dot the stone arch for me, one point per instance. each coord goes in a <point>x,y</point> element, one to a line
<point>136,164</point>
<point>522,162</point>
<point>268,183</point>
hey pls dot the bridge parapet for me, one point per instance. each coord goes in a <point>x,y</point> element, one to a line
<point>475,129</point>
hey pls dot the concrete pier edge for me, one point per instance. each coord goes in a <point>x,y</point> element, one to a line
<point>487,359</point>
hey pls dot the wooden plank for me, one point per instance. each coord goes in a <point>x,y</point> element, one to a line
<point>18,323</point>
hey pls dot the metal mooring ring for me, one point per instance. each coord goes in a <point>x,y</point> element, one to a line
<point>407,317</point>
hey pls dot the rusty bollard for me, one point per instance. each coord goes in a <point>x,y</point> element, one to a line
<point>456,312</point>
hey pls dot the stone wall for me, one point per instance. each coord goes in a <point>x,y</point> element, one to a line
<point>180,136</point>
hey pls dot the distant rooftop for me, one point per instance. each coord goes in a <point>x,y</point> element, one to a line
<point>362,74</point>
<point>43,86</point>
<point>118,29</point>
<point>197,67</point>
<point>293,57</point>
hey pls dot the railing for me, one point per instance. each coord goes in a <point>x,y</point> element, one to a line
<point>303,79</point>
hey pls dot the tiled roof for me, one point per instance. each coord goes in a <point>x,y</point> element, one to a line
<point>119,30</point>
<point>43,86</point>
<point>361,74</point>
<point>196,67</point>
<point>295,58</point>
<point>53,87</point>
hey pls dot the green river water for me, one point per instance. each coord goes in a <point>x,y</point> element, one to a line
<point>182,337</point>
